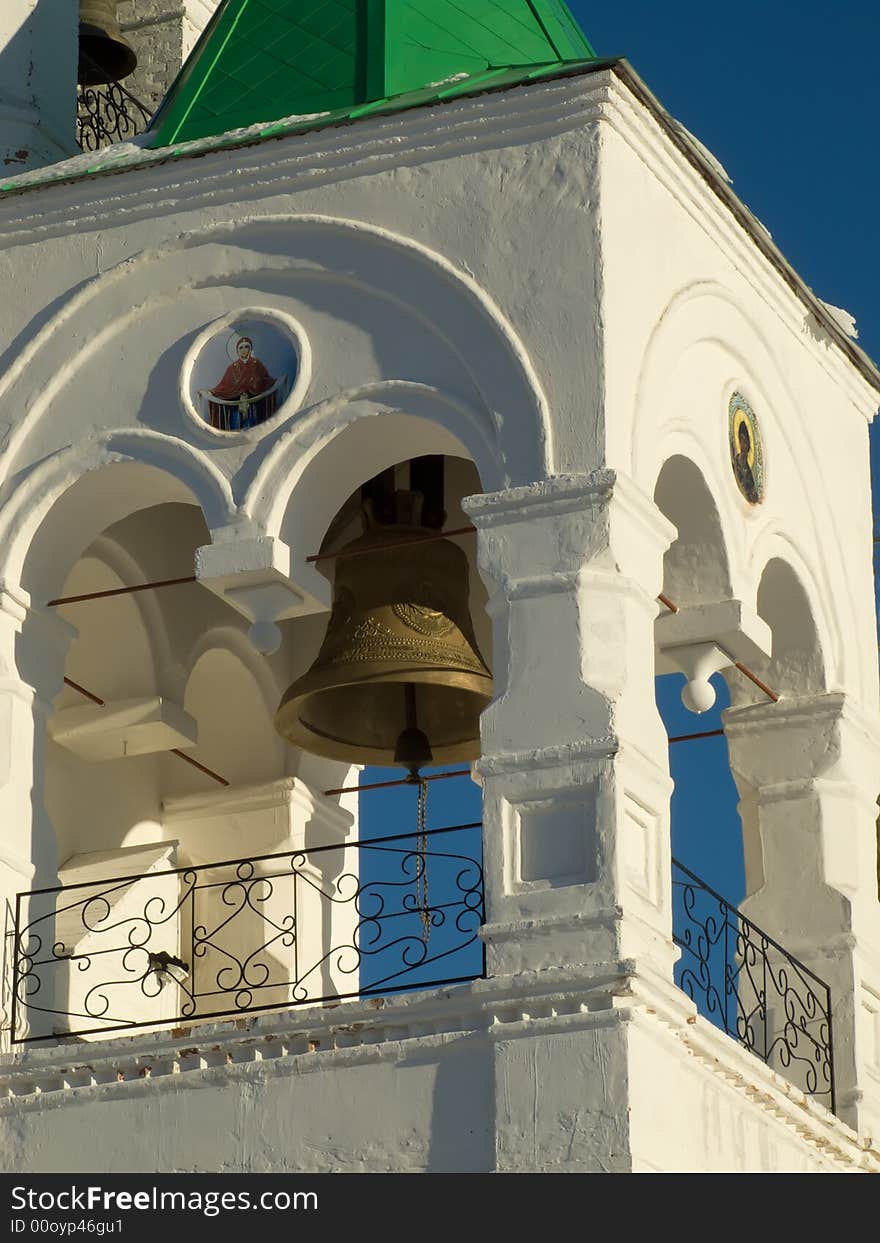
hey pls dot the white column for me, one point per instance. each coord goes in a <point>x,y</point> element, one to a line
<point>38,58</point>
<point>33,646</point>
<point>574,756</point>
<point>808,772</point>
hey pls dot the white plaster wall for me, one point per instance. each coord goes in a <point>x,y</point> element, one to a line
<point>693,314</point>
<point>456,1083</point>
<point>38,42</point>
<point>692,1120</point>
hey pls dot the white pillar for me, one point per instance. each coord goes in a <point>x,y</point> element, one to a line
<point>39,41</point>
<point>574,755</point>
<point>808,772</point>
<point>33,646</point>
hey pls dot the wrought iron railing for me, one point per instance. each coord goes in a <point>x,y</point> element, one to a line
<point>106,114</point>
<point>748,985</point>
<point>249,935</point>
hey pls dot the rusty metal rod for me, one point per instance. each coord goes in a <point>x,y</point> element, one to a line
<point>411,539</point>
<point>403,781</point>
<point>709,733</point>
<point>753,677</point>
<point>744,669</point>
<point>181,755</point>
<point>174,750</point>
<point>96,699</point>
<point>120,591</point>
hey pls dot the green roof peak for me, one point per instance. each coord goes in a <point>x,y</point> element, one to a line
<point>261,60</point>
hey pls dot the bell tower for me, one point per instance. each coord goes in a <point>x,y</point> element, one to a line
<point>316,455</point>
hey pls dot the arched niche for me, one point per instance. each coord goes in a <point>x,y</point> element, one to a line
<point>705,826</point>
<point>797,665</point>
<point>304,481</point>
<point>103,806</point>
<point>696,566</point>
<point>237,737</point>
<point>322,503</point>
<point>65,502</point>
<point>98,522</point>
<point>123,654</point>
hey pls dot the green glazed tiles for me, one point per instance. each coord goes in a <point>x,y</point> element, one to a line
<point>262,60</point>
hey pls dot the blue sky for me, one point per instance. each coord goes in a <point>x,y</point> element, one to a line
<point>787,96</point>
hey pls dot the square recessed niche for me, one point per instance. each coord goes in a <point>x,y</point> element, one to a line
<point>555,840</point>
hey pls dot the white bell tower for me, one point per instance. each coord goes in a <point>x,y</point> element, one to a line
<point>655,441</point>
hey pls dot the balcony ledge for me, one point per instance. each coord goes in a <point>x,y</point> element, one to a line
<point>376,1029</point>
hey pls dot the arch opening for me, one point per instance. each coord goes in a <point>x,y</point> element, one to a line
<point>705,827</point>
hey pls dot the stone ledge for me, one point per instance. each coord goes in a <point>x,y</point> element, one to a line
<point>316,1038</point>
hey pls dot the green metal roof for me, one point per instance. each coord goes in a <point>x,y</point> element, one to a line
<point>260,61</point>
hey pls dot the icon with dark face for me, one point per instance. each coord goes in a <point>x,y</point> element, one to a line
<point>745,450</point>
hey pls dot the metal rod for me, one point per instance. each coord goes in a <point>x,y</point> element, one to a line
<point>710,733</point>
<point>121,591</point>
<point>403,781</point>
<point>410,539</point>
<point>201,767</point>
<point>744,669</point>
<point>96,699</point>
<point>753,677</point>
<point>209,772</point>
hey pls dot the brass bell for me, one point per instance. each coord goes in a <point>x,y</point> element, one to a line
<point>399,678</point>
<point>105,55</point>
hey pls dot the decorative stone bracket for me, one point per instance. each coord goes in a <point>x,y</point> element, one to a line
<point>702,639</point>
<point>255,577</point>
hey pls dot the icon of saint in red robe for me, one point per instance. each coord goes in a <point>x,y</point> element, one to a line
<point>243,381</point>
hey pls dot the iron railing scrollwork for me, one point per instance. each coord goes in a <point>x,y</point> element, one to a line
<point>248,935</point>
<point>356,919</point>
<point>107,113</point>
<point>748,985</point>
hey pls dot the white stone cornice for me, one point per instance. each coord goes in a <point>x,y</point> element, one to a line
<point>560,494</point>
<point>319,1039</point>
<point>14,603</point>
<point>291,792</point>
<point>17,863</point>
<point>805,710</point>
<point>247,169</point>
<point>540,585</point>
<point>583,751</point>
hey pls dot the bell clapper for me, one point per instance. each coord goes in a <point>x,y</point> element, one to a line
<point>412,749</point>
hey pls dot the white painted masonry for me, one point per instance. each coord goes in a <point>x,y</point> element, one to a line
<point>479,280</point>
